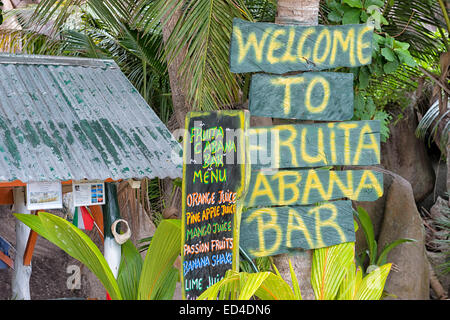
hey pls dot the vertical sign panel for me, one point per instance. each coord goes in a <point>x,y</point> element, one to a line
<point>213,181</point>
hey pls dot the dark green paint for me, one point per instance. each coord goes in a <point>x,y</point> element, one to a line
<point>285,57</point>
<point>303,187</point>
<point>271,231</point>
<point>307,96</point>
<point>297,142</point>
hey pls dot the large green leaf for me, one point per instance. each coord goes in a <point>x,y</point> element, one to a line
<point>367,226</point>
<point>243,286</point>
<point>75,243</point>
<point>129,271</point>
<point>329,267</point>
<point>382,258</point>
<point>162,252</point>
<point>295,284</point>
<point>372,285</point>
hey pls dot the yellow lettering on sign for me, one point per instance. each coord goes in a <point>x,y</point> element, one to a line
<point>367,131</point>
<point>326,95</point>
<point>301,43</point>
<point>347,45</point>
<point>262,188</point>
<point>320,157</point>
<point>285,143</point>
<point>282,186</point>
<point>296,223</point>
<point>287,82</point>
<point>288,57</point>
<point>363,45</point>
<point>313,182</point>
<point>332,142</point>
<point>372,183</point>
<point>324,34</point>
<point>330,222</point>
<point>347,190</point>
<point>347,151</point>
<point>274,44</point>
<point>262,227</point>
<point>258,46</point>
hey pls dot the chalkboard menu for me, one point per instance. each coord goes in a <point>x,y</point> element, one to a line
<point>213,181</point>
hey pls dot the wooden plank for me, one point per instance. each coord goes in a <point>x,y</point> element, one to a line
<point>271,231</point>
<point>275,48</point>
<point>97,213</point>
<point>302,187</point>
<point>6,196</point>
<point>308,96</point>
<point>315,145</point>
<point>7,260</point>
<point>29,249</point>
<point>214,178</point>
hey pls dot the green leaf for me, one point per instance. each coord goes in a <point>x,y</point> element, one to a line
<point>378,3</point>
<point>382,258</point>
<point>364,77</point>
<point>405,57</point>
<point>275,288</point>
<point>353,3</point>
<point>390,66</point>
<point>162,252</point>
<point>351,16</point>
<point>129,271</point>
<point>295,284</point>
<point>329,267</point>
<point>372,285</point>
<point>367,226</point>
<point>388,54</point>
<point>334,16</point>
<point>77,244</point>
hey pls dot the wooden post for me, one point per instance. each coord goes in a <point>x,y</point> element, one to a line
<point>304,12</point>
<point>21,277</point>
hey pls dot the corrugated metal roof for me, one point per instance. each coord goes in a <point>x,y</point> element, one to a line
<point>73,118</point>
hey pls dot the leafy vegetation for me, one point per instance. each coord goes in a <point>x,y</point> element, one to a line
<point>375,260</point>
<point>334,276</point>
<point>152,279</point>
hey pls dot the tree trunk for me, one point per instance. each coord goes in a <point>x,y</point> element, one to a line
<point>299,12</point>
<point>180,107</point>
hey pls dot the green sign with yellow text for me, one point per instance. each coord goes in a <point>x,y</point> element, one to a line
<point>275,48</point>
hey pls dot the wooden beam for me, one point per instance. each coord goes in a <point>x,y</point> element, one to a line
<point>7,260</point>
<point>18,183</point>
<point>29,249</point>
<point>97,213</point>
<point>6,196</point>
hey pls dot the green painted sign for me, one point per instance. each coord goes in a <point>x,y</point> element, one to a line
<point>275,48</point>
<point>270,231</point>
<point>302,187</point>
<point>315,145</point>
<point>308,96</point>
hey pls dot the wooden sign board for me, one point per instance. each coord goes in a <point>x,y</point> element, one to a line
<point>275,48</point>
<point>315,145</point>
<point>302,187</point>
<point>213,180</point>
<point>270,231</point>
<point>308,96</point>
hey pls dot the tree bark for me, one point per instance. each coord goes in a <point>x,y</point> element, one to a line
<point>299,12</point>
<point>180,107</point>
